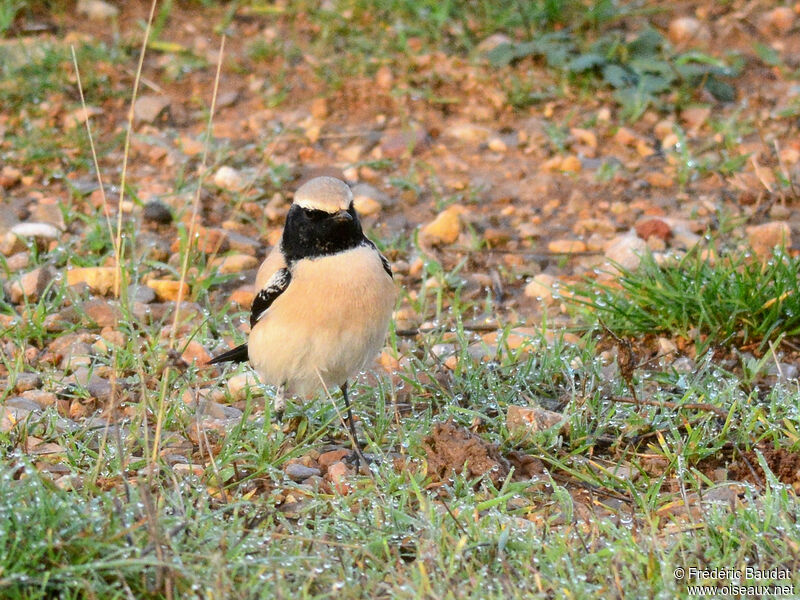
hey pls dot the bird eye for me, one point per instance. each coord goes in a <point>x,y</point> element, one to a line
<point>315,215</point>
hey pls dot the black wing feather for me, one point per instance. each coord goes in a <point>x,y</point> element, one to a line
<point>386,266</point>
<point>264,299</point>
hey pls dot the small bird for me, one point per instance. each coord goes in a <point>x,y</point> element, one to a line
<point>325,301</point>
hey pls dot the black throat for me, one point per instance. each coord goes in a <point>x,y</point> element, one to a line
<point>314,233</point>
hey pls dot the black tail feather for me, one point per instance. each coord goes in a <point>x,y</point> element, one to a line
<point>238,354</point>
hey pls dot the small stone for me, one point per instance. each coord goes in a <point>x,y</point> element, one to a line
<point>236,263</point>
<point>399,143</point>
<point>366,206</point>
<point>384,78</point>
<point>695,117</point>
<point>103,313</point>
<point>97,10</point>
<point>541,287</point>
<point>99,388</point>
<point>195,353</point>
<point>141,293</point>
<point>157,212</point>
<point>493,41</point>
<point>9,176</point>
<point>148,108</point>
<point>626,251</point>
<point>584,136</point>
<point>24,403</point>
<point>42,231</point>
<point>497,145</point>
<point>659,180</point>
<point>243,296</point>
<point>229,179</point>
<point>326,459</point>
<point>765,237</point>
<point>666,347</point>
<point>445,228</point>
<point>571,164</point>
<point>42,398</point>
<point>336,475</point>
<point>10,416</point>
<point>215,410</point>
<point>319,108</point>
<point>18,262</point>
<point>99,279</point>
<point>370,191</point>
<point>779,20</point>
<point>684,364</point>
<point>31,285</point>
<point>240,383</point>
<point>27,381</point>
<point>467,132</point>
<point>653,228</point>
<point>684,30</point>
<point>531,419</point>
<point>299,472</point>
<point>566,246</point>
<point>168,290</point>
<point>625,137</point>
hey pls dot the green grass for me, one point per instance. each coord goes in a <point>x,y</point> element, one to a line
<point>737,299</point>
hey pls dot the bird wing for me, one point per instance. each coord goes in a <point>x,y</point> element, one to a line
<point>276,285</point>
<point>386,266</point>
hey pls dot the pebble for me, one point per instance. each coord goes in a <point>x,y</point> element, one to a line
<point>216,410</point>
<point>99,279</point>
<point>27,381</point>
<point>141,293</point>
<point>236,263</point>
<point>653,228</point>
<point>18,262</point>
<point>531,419</point>
<point>147,108</point>
<point>319,108</point>
<point>168,290</point>
<point>626,250</point>
<point>31,285</point>
<point>42,398</point>
<point>468,132</point>
<point>336,475</point>
<point>763,238</point>
<point>44,231</point>
<point>326,459</point>
<point>684,30</point>
<point>103,313</point>
<point>684,364</point>
<point>195,353</point>
<point>566,246</point>
<point>157,212</point>
<point>299,472</point>
<point>99,388</point>
<point>541,287</point>
<point>229,179</point>
<point>366,206</point>
<point>97,10</point>
<point>445,228</point>
<point>779,20</point>
<point>241,382</point>
<point>497,145</point>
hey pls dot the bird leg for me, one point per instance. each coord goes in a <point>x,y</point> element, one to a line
<point>359,456</point>
<point>279,403</point>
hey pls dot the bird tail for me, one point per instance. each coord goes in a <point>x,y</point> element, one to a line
<point>238,354</point>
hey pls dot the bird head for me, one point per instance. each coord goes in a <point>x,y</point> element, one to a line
<point>321,220</point>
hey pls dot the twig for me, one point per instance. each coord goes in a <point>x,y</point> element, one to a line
<point>672,405</point>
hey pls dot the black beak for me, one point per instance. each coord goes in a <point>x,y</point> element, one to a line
<point>342,216</point>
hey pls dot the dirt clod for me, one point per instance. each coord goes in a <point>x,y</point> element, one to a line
<point>450,448</point>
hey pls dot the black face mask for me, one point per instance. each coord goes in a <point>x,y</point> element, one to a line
<point>310,233</point>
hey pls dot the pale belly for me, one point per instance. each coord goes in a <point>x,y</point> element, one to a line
<point>327,326</point>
